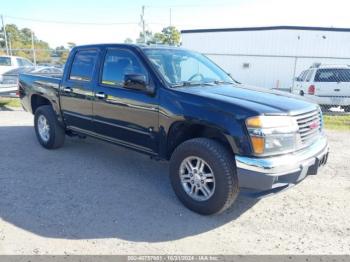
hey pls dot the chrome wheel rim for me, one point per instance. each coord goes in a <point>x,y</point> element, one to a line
<point>43,128</point>
<point>197,178</point>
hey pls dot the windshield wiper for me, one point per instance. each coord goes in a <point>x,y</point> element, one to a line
<point>220,82</point>
<point>189,83</point>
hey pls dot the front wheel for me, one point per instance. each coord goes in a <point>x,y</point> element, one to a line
<point>48,130</point>
<point>203,176</point>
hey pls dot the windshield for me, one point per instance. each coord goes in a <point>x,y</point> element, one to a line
<point>181,67</point>
<point>5,61</point>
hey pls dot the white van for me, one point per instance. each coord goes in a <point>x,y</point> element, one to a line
<point>327,85</point>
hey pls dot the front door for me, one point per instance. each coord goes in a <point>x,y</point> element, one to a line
<point>125,116</point>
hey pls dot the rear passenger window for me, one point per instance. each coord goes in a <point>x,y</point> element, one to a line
<point>300,77</point>
<point>303,77</point>
<point>119,63</point>
<point>308,77</point>
<point>83,65</point>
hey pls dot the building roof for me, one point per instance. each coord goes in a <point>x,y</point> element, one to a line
<point>266,28</point>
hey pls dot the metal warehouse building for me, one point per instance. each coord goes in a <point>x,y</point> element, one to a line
<point>270,57</point>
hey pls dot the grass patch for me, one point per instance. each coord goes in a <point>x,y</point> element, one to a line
<point>340,122</point>
<point>10,102</point>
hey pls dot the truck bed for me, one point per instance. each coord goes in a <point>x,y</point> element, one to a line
<point>30,85</point>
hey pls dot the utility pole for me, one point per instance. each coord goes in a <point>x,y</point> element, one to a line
<point>10,45</point>
<point>170,16</point>
<point>5,34</point>
<point>143,24</point>
<point>33,49</point>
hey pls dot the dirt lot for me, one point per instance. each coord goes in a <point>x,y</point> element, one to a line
<point>94,198</point>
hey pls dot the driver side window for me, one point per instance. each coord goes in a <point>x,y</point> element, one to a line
<point>119,63</point>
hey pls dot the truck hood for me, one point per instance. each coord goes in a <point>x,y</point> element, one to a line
<point>261,100</point>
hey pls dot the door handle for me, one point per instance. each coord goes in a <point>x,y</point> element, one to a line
<point>100,95</point>
<point>67,90</point>
<point>336,90</point>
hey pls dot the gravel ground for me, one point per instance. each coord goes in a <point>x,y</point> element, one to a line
<point>91,197</point>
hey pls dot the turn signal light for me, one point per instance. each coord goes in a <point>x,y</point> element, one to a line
<point>258,144</point>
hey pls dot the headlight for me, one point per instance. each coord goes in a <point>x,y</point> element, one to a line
<point>272,135</point>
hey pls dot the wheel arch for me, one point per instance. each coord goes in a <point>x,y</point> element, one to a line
<point>38,100</point>
<point>182,131</point>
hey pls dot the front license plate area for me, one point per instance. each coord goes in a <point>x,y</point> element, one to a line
<point>319,163</point>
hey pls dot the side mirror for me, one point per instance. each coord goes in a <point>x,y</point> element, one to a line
<point>137,82</point>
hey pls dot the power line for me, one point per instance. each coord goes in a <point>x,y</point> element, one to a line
<point>191,5</point>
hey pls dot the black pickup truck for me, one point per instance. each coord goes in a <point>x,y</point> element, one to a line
<point>173,104</point>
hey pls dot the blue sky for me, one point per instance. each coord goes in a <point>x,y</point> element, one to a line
<point>186,14</point>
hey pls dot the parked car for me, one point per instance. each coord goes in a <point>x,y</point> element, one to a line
<point>177,105</point>
<point>11,77</point>
<point>8,63</point>
<point>327,85</point>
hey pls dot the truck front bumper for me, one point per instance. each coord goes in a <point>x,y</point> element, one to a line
<point>263,176</point>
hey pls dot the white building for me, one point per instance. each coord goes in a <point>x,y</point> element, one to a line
<point>270,57</point>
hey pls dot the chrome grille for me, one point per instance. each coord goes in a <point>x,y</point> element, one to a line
<point>310,125</point>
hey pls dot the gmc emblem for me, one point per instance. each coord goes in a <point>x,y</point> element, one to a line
<point>313,125</point>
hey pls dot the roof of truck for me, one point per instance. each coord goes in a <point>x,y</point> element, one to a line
<point>141,46</point>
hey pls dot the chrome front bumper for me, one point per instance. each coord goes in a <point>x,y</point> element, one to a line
<point>263,174</point>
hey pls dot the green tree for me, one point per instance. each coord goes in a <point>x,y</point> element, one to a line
<point>149,38</point>
<point>63,57</point>
<point>128,40</point>
<point>62,53</point>
<point>158,38</point>
<point>170,36</point>
<point>71,45</point>
<point>22,39</point>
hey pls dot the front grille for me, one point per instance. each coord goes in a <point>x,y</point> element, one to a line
<point>310,125</point>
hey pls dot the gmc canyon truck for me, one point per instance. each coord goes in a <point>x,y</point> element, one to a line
<point>219,135</point>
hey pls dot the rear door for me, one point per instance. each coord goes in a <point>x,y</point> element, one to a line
<point>332,82</point>
<point>76,91</point>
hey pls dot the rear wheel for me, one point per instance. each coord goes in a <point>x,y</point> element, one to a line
<point>203,176</point>
<point>48,130</point>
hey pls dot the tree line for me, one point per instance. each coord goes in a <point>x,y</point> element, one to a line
<point>168,36</point>
<point>20,43</point>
